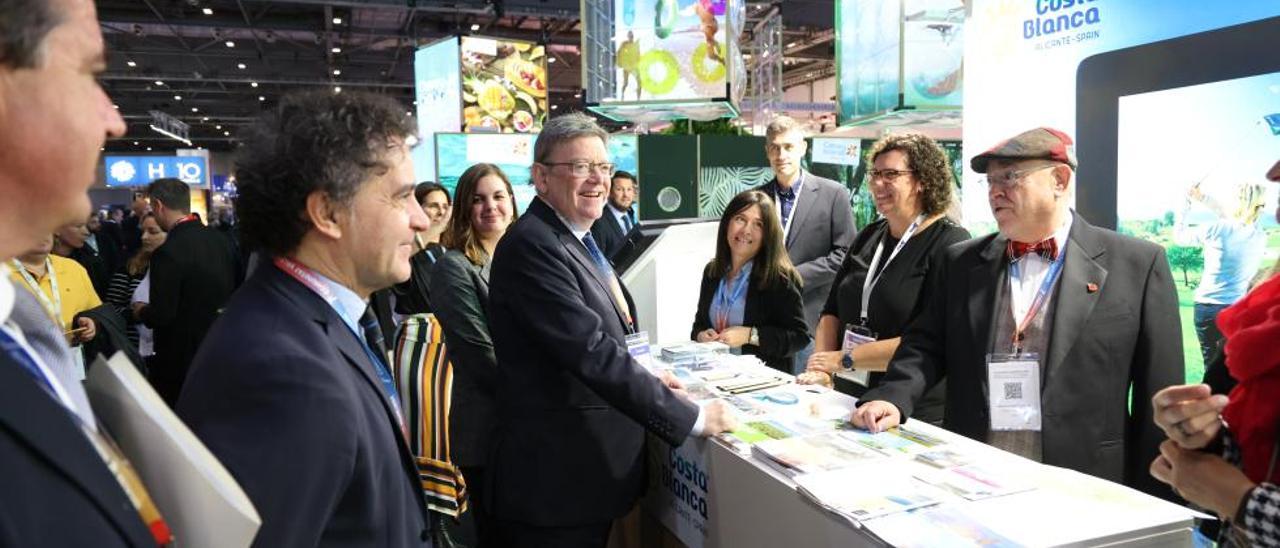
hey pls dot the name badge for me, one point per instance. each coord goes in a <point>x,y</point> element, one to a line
<point>77,362</point>
<point>855,336</point>
<point>638,347</point>
<point>1013,387</point>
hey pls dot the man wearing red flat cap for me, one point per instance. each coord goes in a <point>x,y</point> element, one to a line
<point>1043,328</point>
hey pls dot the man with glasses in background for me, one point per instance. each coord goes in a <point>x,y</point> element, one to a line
<point>574,406</point>
<point>1043,328</point>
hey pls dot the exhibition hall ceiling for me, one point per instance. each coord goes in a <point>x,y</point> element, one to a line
<point>215,64</point>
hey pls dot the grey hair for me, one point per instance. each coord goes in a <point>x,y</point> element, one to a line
<point>562,129</point>
<point>782,124</point>
<point>24,24</point>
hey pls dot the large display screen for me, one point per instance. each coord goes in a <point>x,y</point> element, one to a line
<point>1190,176</point>
<point>671,49</point>
<point>504,86</point>
<point>513,153</point>
<point>868,47</point>
<point>437,92</point>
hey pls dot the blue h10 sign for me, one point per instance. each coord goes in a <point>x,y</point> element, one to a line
<point>141,170</point>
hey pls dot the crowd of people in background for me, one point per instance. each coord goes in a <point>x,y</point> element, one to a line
<point>267,329</point>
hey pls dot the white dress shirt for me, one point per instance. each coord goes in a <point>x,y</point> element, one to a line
<point>1028,272</point>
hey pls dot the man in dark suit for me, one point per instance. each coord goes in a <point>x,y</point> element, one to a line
<point>817,220</point>
<point>105,242</point>
<point>55,487</point>
<point>192,275</point>
<point>573,406</point>
<point>290,389</point>
<point>1043,328</point>
<point>610,230</point>
<point>130,227</point>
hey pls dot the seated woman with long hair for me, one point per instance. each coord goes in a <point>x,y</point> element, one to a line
<point>750,297</point>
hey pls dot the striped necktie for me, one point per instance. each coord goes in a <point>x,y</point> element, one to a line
<point>602,264</point>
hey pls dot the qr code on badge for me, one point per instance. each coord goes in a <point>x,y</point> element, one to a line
<point>1012,390</point>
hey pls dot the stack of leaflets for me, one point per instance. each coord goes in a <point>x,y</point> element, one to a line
<point>942,526</point>
<point>812,453</point>
<point>972,482</point>
<point>860,493</point>
<point>895,441</point>
<point>693,354</point>
<point>750,382</point>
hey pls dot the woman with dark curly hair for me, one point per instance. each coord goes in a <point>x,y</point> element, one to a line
<point>878,287</point>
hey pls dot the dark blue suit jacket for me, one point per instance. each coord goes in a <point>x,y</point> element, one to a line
<point>284,394</point>
<point>54,488</point>
<point>573,406</point>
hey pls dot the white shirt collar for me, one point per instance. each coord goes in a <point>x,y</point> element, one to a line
<point>1060,235</point>
<point>346,302</point>
<point>577,232</point>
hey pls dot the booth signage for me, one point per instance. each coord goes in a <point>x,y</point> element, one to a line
<point>141,170</point>
<point>679,487</point>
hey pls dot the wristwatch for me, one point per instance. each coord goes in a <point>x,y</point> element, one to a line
<point>846,361</point>
<point>754,340</point>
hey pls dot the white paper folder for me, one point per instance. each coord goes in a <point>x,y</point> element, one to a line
<point>202,504</point>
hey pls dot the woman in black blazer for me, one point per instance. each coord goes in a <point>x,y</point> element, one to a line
<point>750,298</point>
<point>460,280</point>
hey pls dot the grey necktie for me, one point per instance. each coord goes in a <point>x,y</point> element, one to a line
<point>47,340</point>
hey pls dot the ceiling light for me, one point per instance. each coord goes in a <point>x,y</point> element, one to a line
<point>337,72</point>
<point>240,66</point>
<point>336,49</point>
<point>131,64</point>
<point>337,89</point>
<point>230,44</point>
<point>253,84</point>
<point>227,133</point>
<point>177,97</point>
<point>262,98</point>
<point>148,149</point>
<point>337,20</point>
<point>408,114</point>
<point>194,109</point>
<point>551,59</point>
<point>159,83</point>
<point>577,96</point>
<point>135,142</point>
<point>475,27</point>
<point>207,11</point>
<point>217,126</point>
<point>205,119</point>
<point>553,107</point>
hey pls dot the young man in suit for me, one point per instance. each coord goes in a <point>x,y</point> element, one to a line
<point>57,487</point>
<point>192,276</point>
<point>291,390</point>
<point>1043,328</point>
<point>573,405</point>
<point>611,229</point>
<point>817,221</point>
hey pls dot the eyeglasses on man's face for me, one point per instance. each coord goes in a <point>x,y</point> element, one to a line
<point>1012,178</point>
<point>583,168</point>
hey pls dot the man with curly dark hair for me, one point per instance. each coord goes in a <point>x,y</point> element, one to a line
<point>291,388</point>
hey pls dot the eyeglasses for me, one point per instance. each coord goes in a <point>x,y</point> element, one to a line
<point>889,175</point>
<point>1013,178</point>
<point>584,168</point>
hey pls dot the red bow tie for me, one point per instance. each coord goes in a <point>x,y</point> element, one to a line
<point>1047,249</point>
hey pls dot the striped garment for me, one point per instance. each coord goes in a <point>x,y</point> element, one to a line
<point>120,296</point>
<point>424,379</point>
<point>1260,525</point>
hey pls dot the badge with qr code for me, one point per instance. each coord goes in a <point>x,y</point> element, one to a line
<point>1013,391</point>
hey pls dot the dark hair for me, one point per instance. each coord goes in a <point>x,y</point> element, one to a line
<point>425,188</point>
<point>459,234</point>
<point>929,164</point>
<point>623,175</point>
<point>140,261</point>
<point>771,264</point>
<point>24,24</point>
<point>173,193</point>
<point>311,142</point>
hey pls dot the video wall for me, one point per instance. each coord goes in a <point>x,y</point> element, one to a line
<point>1190,175</point>
<point>673,49</point>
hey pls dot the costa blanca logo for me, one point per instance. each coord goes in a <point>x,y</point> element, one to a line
<point>122,171</point>
<point>1057,16</point>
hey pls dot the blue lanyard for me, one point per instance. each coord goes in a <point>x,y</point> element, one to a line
<point>313,282</point>
<point>726,299</point>
<point>1042,297</point>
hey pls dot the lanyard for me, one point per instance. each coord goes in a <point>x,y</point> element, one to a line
<point>795,203</point>
<point>309,278</point>
<point>1042,297</point>
<point>869,281</point>
<point>726,299</point>
<point>53,307</point>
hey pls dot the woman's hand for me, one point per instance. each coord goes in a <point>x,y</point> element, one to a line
<point>1188,414</point>
<point>825,362</point>
<point>735,336</point>
<point>706,335</point>
<point>1201,478</point>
